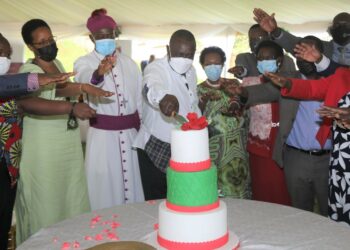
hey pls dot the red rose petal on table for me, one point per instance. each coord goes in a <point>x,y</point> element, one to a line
<point>88,238</point>
<point>76,244</point>
<point>106,230</point>
<point>65,246</point>
<point>112,236</point>
<point>115,224</point>
<point>106,222</point>
<point>156,226</point>
<point>98,237</point>
<point>95,219</point>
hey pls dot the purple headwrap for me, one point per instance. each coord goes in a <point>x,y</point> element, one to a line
<point>99,20</point>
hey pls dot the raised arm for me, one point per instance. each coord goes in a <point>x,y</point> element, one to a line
<point>324,65</point>
<point>75,89</point>
<point>268,23</point>
<point>302,89</point>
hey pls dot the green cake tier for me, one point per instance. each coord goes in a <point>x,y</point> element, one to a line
<point>192,188</point>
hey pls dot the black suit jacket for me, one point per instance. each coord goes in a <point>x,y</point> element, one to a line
<point>13,85</point>
<point>330,70</point>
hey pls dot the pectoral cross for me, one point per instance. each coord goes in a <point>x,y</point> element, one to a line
<point>124,101</point>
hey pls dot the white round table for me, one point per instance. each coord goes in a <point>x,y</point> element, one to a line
<point>258,225</point>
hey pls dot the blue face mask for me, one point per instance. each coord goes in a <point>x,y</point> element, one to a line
<point>267,66</point>
<point>213,71</point>
<point>105,47</point>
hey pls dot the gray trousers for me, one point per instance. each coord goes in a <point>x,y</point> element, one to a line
<point>307,178</point>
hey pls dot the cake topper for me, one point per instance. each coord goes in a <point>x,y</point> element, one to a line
<point>194,122</point>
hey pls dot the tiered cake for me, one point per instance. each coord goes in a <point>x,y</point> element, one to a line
<point>192,217</point>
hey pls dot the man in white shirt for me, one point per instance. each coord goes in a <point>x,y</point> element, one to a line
<point>111,164</point>
<point>169,86</point>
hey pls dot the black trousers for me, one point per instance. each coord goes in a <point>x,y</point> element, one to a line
<point>153,180</point>
<point>7,201</point>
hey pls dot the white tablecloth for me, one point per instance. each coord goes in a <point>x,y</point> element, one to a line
<point>258,225</point>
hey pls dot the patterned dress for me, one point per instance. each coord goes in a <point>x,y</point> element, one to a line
<point>10,136</point>
<point>227,143</point>
<point>339,171</point>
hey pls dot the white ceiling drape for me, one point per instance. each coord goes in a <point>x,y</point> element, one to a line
<point>151,19</point>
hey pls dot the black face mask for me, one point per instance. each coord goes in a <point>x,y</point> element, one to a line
<point>48,53</point>
<point>340,33</point>
<point>306,68</point>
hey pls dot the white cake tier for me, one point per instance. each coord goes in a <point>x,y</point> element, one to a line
<point>192,227</point>
<point>189,146</point>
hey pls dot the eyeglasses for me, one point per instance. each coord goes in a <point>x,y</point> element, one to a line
<point>47,42</point>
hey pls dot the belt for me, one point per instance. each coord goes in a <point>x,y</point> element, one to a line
<point>311,152</point>
<point>122,122</point>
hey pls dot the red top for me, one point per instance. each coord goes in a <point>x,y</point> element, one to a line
<point>330,89</point>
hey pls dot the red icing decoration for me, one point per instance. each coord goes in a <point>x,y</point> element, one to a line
<point>192,209</point>
<point>194,123</point>
<point>190,167</point>
<point>208,245</point>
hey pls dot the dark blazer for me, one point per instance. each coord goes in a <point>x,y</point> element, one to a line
<point>330,70</point>
<point>13,85</point>
<point>248,60</point>
<point>288,42</point>
<point>288,108</point>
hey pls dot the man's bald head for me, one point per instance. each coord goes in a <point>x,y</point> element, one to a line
<point>182,44</point>
<point>342,17</point>
<point>340,28</point>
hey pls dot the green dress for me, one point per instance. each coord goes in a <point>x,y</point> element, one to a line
<point>52,184</point>
<point>227,144</point>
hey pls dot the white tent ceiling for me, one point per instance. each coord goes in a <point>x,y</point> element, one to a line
<point>159,18</point>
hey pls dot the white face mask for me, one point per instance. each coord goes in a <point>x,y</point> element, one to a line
<point>4,65</point>
<point>180,64</point>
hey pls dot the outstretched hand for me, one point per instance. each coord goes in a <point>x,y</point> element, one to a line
<point>307,52</point>
<point>94,91</point>
<point>336,113</point>
<point>267,22</point>
<point>340,115</point>
<point>58,78</point>
<point>280,81</point>
<point>237,71</point>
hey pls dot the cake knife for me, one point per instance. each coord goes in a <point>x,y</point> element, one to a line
<point>179,118</point>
